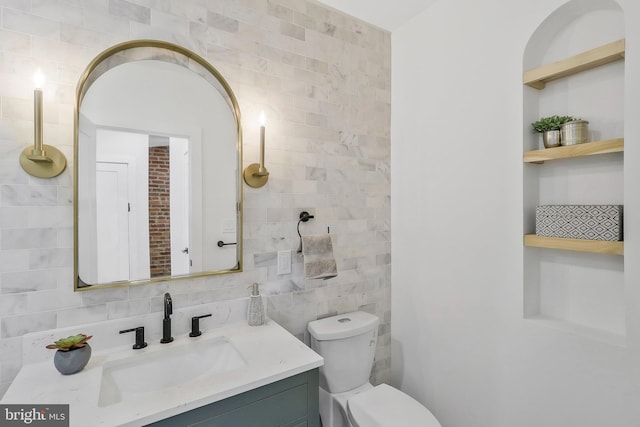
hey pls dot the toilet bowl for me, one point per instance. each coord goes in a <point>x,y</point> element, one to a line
<point>347,343</point>
<point>384,406</point>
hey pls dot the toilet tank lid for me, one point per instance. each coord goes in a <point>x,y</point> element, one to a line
<point>342,326</point>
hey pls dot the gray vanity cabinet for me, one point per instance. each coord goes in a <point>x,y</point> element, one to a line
<point>292,402</point>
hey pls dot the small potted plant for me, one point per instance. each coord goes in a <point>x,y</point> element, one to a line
<point>549,127</point>
<point>73,353</point>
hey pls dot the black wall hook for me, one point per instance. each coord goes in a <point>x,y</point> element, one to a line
<point>304,217</point>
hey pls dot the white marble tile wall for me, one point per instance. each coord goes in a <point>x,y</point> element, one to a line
<point>323,79</point>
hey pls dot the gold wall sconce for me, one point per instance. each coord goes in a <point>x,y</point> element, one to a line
<point>41,161</point>
<point>256,175</point>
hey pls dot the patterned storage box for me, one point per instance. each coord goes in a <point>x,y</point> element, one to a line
<point>592,222</point>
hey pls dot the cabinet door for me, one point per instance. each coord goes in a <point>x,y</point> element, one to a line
<point>291,402</point>
<point>277,410</point>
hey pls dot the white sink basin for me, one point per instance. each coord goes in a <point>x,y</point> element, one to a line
<point>138,375</point>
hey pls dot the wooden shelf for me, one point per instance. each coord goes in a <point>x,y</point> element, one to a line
<point>577,150</point>
<point>579,245</point>
<point>538,77</point>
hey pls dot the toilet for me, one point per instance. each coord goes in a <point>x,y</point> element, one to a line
<point>347,343</point>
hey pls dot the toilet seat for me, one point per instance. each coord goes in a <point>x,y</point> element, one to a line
<point>385,406</point>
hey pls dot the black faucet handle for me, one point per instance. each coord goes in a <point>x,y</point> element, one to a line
<point>140,343</point>
<point>195,325</point>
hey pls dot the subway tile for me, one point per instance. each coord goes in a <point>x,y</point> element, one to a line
<point>55,51</point>
<point>293,30</point>
<point>61,11</point>
<point>121,309</point>
<point>165,20</point>
<point>50,258</point>
<point>14,42</point>
<point>50,216</point>
<point>81,315</point>
<point>222,22</point>
<point>248,14</point>
<point>264,259</point>
<point>279,11</point>
<point>279,302</point>
<point>12,261</point>
<point>28,195</point>
<point>151,290</point>
<point>24,5</point>
<point>13,217</point>
<point>19,109</point>
<point>13,304</point>
<point>77,35</point>
<point>28,23</point>
<point>67,298</point>
<point>65,237</point>
<point>103,296</point>
<point>308,187</point>
<point>295,5</point>
<point>314,119</point>
<point>26,281</point>
<point>131,11</point>
<point>304,20</point>
<point>27,238</point>
<point>98,18</point>
<point>65,194</point>
<point>43,301</point>
<point>191,11</point>
<point>16,326</point>
<point>278,287</point>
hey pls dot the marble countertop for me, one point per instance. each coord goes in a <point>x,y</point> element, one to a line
<point>271,354</point>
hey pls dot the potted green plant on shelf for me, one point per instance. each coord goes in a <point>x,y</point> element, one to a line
<point>73,353</point>
<point>549,127</point>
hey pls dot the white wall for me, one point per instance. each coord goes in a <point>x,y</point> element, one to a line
<point>460,343</point>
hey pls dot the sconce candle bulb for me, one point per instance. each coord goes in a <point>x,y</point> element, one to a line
<point>262,170</point>
<point>256,174</point>
<point>41,161</point>
<point>38,153</point>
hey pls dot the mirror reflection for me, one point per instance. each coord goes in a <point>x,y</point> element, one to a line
<point>157,170</point>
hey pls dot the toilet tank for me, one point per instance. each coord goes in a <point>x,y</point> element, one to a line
<point>347,343</point>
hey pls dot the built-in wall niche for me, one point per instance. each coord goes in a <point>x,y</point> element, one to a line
<point>577,286</point>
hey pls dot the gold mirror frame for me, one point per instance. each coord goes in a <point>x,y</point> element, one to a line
<point>172,53</point>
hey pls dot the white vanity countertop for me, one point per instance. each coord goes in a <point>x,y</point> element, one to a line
<point>270,351</point>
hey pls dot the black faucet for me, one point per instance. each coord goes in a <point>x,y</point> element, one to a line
<point>166,322</point>
<point>140,343</point>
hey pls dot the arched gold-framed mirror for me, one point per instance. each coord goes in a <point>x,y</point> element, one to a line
<point>157,168</point>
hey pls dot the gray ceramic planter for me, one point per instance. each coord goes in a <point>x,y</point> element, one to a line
<point>72,361</point>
